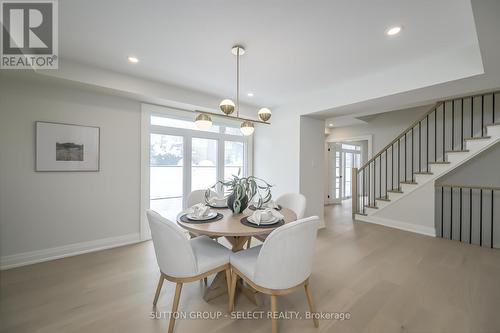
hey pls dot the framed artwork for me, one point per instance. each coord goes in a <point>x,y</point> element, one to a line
<point>66,147</point>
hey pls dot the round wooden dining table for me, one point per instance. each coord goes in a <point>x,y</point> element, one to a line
<point>237,234</point>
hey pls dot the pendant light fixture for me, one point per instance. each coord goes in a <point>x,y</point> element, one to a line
<point>204,121</point>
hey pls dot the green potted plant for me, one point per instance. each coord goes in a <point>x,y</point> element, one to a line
<point>242,191</point>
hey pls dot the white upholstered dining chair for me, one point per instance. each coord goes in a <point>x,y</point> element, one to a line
<point>183,260</point>
<point>279,266</point>
<point>197,196</point>
<point>293,201</point>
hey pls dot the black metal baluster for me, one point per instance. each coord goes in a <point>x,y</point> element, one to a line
<point>480,217</point>
<point>492,210</point>
<point>472,117</point>
<point>399,165</point>
<point>453,125</point>
<point>444,130</point>
<point>451,213</point>
<point>419,146</point>
<point>406,143</point>
<point>427,144</point>
<point>412,154</point>
<point>369,182</point>
<point>435,135</point>
<point>374,180</point>
<point>493,108</point>
<point>364,186</point>
<point>470,216</point>
<point>442,211</point>
<point>380,176</point>
<point>392,166</point>
<point>460,215</point>
<point>462,126</point>
<point>482,115</point>
<point>386,172</point>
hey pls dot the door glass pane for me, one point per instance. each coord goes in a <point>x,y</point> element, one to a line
<point>234,155</point>
<point>203,163</point>
<point>166,174</point>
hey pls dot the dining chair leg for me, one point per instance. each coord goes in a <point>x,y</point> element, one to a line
<point>205,279</point>
<point>234,279</point>
<point>175,305</point>
<point>158,289</point>
<point>228,281</point>
<point>312,307</point>
<point>249,242</point>
<point>274,311</point>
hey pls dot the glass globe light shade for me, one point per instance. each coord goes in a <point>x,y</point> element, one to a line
<point>247,128</point>
<point>265,114</point>
<point>227,106</point>
<point>203,121</point>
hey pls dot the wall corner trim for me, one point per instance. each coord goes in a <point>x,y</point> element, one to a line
<point>33,257</point>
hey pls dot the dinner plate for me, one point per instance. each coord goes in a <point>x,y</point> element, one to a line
<point>217,206</point>
<point>209,216</point>
<point>273,220</point>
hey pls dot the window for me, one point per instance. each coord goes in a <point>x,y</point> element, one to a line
<point>183,158</point>
<point>203,163</point>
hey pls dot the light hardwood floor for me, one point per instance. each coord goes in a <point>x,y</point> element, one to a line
<point>388,280</point>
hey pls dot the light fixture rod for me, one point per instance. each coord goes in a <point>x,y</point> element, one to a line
<point>230,117</point>
<point>237,81</point>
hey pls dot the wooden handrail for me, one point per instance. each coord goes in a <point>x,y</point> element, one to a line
<point>473,187</point>
<point>434,107</point>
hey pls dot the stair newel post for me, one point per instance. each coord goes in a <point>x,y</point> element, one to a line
<point>354,191</point>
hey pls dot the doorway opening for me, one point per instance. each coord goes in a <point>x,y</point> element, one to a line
<point>342,156</point>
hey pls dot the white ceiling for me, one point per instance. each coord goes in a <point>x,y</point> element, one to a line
<point>294,48</point>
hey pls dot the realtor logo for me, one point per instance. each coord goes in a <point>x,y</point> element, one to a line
<point>29,34</point>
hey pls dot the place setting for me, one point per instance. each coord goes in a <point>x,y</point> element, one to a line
<point>264,218</point>
<point>200,213</point>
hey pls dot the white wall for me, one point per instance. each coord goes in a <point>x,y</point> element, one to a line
<point>284,153</point>
<point>312,165</point>
<point>384,127</point>
<point>49,213</point>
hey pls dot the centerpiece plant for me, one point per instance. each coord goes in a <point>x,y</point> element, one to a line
<point>241,190</point>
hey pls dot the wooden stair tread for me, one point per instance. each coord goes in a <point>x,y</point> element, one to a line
<point>423,173</point>
<point>364,214</point>
<point>409,183</point>
<point>383,199</point>
<point>458,151</point>
<point>370,206</point>
<point>395,191</point>
<point>478,138</point>
<point>440,162</point>
<point>494,124</point>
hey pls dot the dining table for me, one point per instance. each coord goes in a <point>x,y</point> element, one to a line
<point>230,227</point>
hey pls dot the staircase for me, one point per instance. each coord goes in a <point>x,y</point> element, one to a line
<point>450,133</point>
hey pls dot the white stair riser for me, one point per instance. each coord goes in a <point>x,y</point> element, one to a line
<point>438,169</point>
<point>493,131</point>
<point>408,187</point>
<point>474,145</point>
<point>393,196</point>
<point>456,157</point>
<point>422,178</point>
<point>370,211</point>
<point>382,203</point>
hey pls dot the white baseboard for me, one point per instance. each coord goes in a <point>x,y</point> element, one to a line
<point>419,229</point>
<point>33,257</point>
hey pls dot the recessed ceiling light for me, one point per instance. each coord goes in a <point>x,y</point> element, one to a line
<point>133,60</point>
<point>394,30</point>
<point>330,125</point>
<point>250,94</point>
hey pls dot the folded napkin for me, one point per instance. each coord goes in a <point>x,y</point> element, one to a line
<point>200,210</point>
<point>265,215</point>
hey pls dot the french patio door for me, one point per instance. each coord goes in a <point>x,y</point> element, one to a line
<point>343,157</point>
<point>184,159</point>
